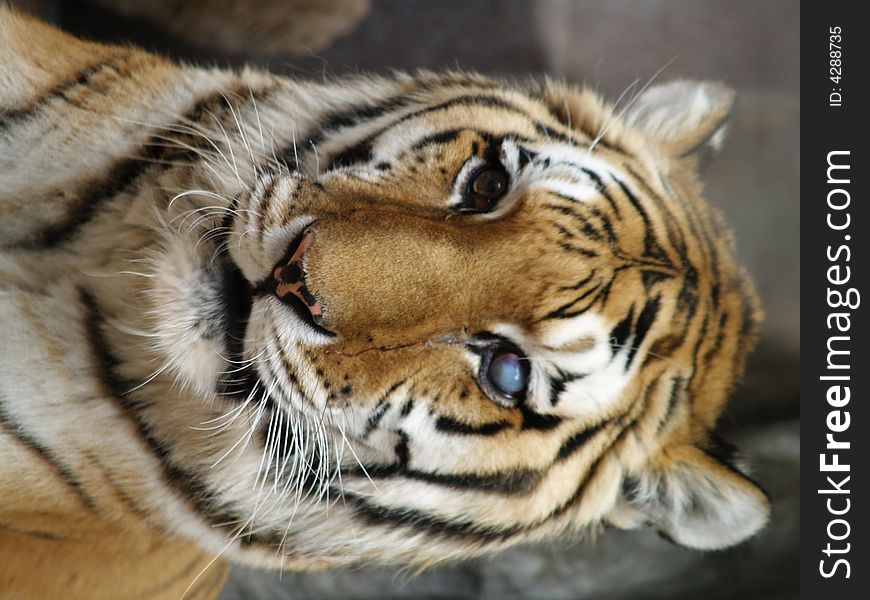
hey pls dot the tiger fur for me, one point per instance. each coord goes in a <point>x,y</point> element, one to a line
<point>165,402</point>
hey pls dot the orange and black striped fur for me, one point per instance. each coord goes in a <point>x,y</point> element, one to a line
<point>262,318</point>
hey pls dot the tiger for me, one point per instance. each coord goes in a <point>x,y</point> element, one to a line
<point>399,320</point>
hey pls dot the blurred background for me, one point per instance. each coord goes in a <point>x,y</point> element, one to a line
<point>751,45</point>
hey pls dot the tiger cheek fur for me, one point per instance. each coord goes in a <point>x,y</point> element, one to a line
<point>401,319</point>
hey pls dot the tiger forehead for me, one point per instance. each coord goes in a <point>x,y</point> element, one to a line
<point>498,112</point>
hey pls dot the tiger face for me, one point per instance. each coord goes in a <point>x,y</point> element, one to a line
<point>462,316</point>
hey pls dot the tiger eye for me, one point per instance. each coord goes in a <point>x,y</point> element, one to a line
<point>507,374</point>
<point>490,183</point>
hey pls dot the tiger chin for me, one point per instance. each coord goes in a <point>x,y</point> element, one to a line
<point>394,320</point>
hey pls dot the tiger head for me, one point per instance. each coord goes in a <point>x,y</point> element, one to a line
<point>469,314</point>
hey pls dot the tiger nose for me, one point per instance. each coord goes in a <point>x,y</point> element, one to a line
<point>288,277</point>
<point>397,275</point>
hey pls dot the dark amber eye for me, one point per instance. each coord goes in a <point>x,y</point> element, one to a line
<point>485,189</point>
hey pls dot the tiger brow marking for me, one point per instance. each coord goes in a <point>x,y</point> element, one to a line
<point>70,481</point>
<point>364,145</point>
<point>449,135</point>
<point>440,138</point>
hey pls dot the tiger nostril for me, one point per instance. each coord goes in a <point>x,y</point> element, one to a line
<point>290,273</point>
<point>288,281</point>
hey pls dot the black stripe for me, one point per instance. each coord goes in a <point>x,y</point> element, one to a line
<point>536,421</point>
<point>47,455</point>
<point>9,117</point>
<point>381,408</point>
<point>710,355</point>
<point>119,492</point>
<point>578,250</point>
<point>436,527</point>
<point>444,527</point>
<point>620,333</point>
<point>649,278</point>
<point>375,419</point>
<point>346,118</point>
<point>645,320</point>
<point>335,120</point>
<point>124,173</point>
<point>577,441</point>
<point>463,100</point>
<point>549,132</point>
<point>407,407</point>
<point>675,233</point>
<point>651,247</point>
<point>576,286</point>
<point>697,371</point>
<point>448,425</point>
<point>402,450</point>
<point>357,154</point>
<point>606,225</point>
<point>440,138</point>
<point>602,189</point>
<point>526,157</point>
<point>687,299</point>
<point>90,198</point>
<point>519,481</point>
<point>559,383</point>
<point>562,312</point>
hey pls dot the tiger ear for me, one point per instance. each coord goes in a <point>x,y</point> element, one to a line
<point>688,117</point>
<point>696,500</point>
